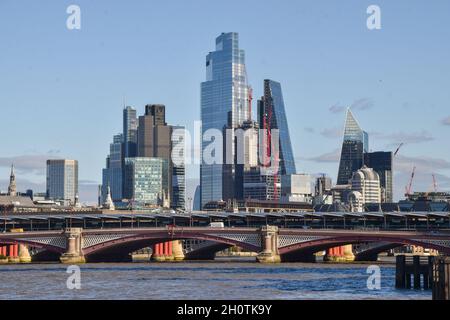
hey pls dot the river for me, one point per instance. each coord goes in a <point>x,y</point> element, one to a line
<point>220,279</point>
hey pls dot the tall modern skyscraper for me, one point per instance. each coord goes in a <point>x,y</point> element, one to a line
<point>178,193</point>
<point>224,95</point>
<point>381,162</point>
<point>62,180</point>
<point>356,143</point>
<point>272,115</point>
<point>130,125</point>
<point>113,173</point>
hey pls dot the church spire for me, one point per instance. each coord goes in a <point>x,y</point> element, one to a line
<point>12,189</point>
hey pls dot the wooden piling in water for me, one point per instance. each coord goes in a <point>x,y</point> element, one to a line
<point>441,279</point>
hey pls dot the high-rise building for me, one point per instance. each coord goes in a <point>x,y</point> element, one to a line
<point>272,115</point>
<point>224,94</point>
<point>355,144</point>
<point>241,151</point>
<point>146,181</point>
<point>178,193</point>
<point>62,180</point>
<point>323,185</point>
<point>381,162</point>
<point>113,172</point>
<point>261,186</point>
<point>130,125</point>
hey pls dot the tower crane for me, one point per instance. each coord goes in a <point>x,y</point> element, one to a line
<point>409,186</point>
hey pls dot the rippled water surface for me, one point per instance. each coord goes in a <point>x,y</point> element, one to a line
<point>205,280</point>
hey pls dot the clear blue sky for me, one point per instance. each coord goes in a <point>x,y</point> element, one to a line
<point>61,90</point>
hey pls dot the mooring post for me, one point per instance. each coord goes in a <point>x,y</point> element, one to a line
<point>416,271</point>
<point>400,272</point>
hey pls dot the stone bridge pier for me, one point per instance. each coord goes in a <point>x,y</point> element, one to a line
<point>74,245</point>
<point>269,245</point>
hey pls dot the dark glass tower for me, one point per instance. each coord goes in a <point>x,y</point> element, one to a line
<point>381,162</point>
<point>130,125</point>
<point>272,115</point>
<point>356,143</point>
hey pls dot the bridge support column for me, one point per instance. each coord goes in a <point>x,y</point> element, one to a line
<point>269,243</point>
<point>340,254</point>
<point>158,253</point>
<point>177,249</point>
<point>3,254</point>
<point>74,243</point>
<point>168,252</point>
<point>13,256</point>
<point>24,254</point>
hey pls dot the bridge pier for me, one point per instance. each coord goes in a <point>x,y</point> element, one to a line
<point>74,243</point>
<point>167,251</point>
<point>24,254</point>
<point>269,243</point>
<point>340,254</point>
<point>178,254</point>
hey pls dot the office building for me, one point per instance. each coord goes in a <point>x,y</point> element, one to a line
<point>296,188</point>
<point>130,125</point>
<point>365,185</point>
<point>260,186</point>
<point>146,181</point>
<point>272,115</point>
<point>224,94</point>
<point>355,144</point>
<point>382,162</point>
<point>178,193</point>
<point>62,180</point>
<point>112,175</point>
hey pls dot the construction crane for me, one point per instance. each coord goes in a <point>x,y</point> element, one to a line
<point>409,186</point>
<point>398,149</point>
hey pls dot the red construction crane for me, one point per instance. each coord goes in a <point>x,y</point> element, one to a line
<point>250,99</point>
<point>408,188</point>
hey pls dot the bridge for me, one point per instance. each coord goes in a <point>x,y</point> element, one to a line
<point>270,243</point>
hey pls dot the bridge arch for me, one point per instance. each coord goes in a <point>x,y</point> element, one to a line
<point>119,249</point>
<point>317,245</point>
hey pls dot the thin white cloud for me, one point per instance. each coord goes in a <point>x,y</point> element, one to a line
<point>446,121</point>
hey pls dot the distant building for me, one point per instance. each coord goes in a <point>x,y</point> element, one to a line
<point>322,190</point>
<point>355,144</point>
<point>130,127</point>
<point>196,206</point>
<point>178,148</point>
<point>381,162</point>
<point>296,188</point>
<point>62,180</point>
<point>261,186</point>
<point>113,172</point>
<point>146,181</point>
<point>224,97</point>
<point>365,185</point>
<point>272,115</point>
<point>12,188</point>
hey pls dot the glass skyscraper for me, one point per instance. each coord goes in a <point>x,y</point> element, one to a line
<point>356,143</point>
<point>146,180</point>
<point>113,173</point>
<point>224,96</point>
<point>272,115</point>
<point>130,126</point>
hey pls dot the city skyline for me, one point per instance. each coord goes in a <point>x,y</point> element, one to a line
<point>388,95</point>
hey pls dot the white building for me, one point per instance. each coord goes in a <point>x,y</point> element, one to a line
<point>296,188</point>
<point>365,185</point>
<point>62,180</point>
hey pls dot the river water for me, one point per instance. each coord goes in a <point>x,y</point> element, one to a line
<point>222,279</point>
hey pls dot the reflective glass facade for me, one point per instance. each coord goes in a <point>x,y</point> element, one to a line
<point>146,180</point>
<point>130,125</point>
<point>113,173</point>
<point>356,143</point>
<point>224,95</point>
<point>271,106</point>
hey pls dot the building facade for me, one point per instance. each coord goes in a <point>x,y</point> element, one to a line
<point>130,126</point>
<point>146,181</point>
<point>382,163</point>
<point>365,185</point>
<point>62,180</point>
<point>224,95</point>
<point>355,144</point>
<point>272,115</point>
